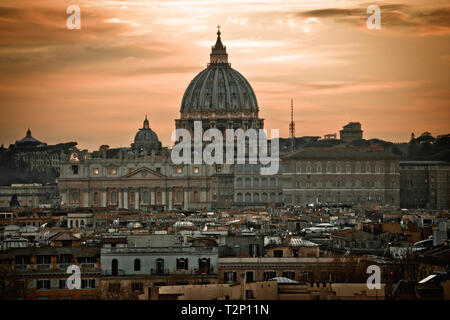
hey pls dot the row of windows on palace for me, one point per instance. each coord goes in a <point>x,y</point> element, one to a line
<point>319,197</point>
<point>337,167</point>
<point>347,183</point>
<point>113,170</point>
<point>336,197</point>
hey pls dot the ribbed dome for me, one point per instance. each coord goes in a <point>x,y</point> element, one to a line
<point>219,87</point>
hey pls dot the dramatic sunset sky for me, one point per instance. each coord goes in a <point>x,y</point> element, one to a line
<point>131,58</point>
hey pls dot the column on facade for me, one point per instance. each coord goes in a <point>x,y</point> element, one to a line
<point>136,199</point>
<point>104,198</point>
<point>170,200</point>
<point>86,198</point>
<point>64,197</point>
<point>120,198</point>
<point>186,199</point>
<point>163,197</point>
<point>203,195</point>
<point>152,197</point>
<point>125,198</point>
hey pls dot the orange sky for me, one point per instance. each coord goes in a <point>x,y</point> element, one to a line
<point>133,58</point>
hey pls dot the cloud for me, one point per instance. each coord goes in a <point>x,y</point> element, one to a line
<point>426,22</point>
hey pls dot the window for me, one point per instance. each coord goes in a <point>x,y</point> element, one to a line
<point>112,170</point>
<point>249,294</point>
<point>114,267</point>
<point>178,170</point>
<point>87,283</point>
<point>204,265</point>
<point>182,264</point>
<point>74,169</point>
<point>196,170</point>
<point>249,276</point>
<point>113,197</point>
<point>43,284</point>
<point>269,275</point>
<point>95,171</point>
<point>137,265</point>
<point>289,274</point>
<point>278,253</point>
<point>43,259</point>
<point>230,277</point>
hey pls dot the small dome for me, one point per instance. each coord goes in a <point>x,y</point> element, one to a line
<point>146,139</point>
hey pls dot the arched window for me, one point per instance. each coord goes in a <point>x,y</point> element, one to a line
<point>239,182</point>
<point>273,182</point>
<point>273,197</point>
<point>75,196</point>
<point>264,197</point>
<point>182,263</point>
<point>114,267</point>
<point>113,197</point>
<point>137,264</point>
<point>319,168</point>
<point>239,197</point>
<point>298,167</point>
<point>248,182</point>
<point>308,167</point>
<point>248,197</point>
<point>160,266</point>
<point>264,182</point>
<point>256,197</point>
<point>377,167</point>
<point>256,182</point>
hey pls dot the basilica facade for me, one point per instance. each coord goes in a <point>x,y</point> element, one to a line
<point>143,176</point>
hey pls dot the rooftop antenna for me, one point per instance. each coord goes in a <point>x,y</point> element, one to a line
<point>292,126</point>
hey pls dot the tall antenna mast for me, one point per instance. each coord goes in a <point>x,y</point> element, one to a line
<point>292,126</point>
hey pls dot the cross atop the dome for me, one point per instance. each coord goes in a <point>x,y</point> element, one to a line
<point>218,29</point>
